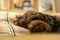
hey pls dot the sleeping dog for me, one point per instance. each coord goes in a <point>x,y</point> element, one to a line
<point>37,22</point>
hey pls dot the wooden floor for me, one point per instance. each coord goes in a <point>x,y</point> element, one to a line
<point>32,37</point>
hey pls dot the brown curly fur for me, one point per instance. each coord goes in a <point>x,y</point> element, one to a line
<point>39,26</point>
<point>31,19</point>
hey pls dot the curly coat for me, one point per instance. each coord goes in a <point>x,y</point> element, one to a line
<point>37,22</point>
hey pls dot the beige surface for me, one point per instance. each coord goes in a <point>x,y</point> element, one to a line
<point>4,26</point>
<point>57,6</point>
<point>32,37</point>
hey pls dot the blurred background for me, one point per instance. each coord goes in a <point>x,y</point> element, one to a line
<point>36,5</point>
<point>24,5</point>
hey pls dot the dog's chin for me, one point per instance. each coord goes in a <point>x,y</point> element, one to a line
<point>37,26</point>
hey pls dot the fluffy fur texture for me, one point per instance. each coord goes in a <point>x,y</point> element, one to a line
<point>37,22</point>
<point>39,26</point>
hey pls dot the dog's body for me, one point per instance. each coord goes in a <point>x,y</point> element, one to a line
<point>37,22</point>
